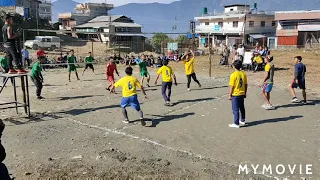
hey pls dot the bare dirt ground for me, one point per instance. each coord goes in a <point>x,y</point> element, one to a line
<point>77,133</point>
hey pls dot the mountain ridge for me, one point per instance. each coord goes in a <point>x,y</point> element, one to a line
<point>158,17</point>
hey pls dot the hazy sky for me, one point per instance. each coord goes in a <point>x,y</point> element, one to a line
<point>121,2</point>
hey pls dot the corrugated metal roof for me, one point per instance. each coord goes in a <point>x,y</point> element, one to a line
<point>106,24</point>
<point>105,18</point>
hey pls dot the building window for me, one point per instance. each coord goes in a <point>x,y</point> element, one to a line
<point>263,24</point>
<point>235,24</point>
<point>273,23</point>
<point>206,23</point>
<point>251,23</point>
<point>220,24</point>
<point>231,9</point>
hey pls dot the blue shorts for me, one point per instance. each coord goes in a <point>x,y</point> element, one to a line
<point>301,84</point>
<point>267,87</point>
<point>132,101</point>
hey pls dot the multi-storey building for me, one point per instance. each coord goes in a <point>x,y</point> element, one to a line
<point>298,29</point>
<point>85,12</point>
<point>237,24</point>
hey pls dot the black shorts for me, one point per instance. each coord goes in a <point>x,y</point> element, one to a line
<point>301,84</point>
<point>89,65</point>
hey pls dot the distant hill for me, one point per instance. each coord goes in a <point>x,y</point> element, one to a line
<point>157,17</point>
<point>61,6</point>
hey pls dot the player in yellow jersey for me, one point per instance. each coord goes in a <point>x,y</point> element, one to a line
<point>129,85</point>
<point>238,91</point>
<point>167,76</point>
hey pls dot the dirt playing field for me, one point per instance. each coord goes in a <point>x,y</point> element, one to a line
<point>77,133</point>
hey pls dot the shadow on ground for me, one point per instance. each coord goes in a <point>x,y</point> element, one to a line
<point>192,101</point>
<point>310,103</point>
<point>158,118</point>
<point>255,123</point>
<point>77,97</point>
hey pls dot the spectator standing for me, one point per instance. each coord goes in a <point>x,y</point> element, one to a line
<point>25,57</point>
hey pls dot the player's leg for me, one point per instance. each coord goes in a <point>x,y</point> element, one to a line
<point>194,77</point>
<point>293,93</point>
<point>235,110</point>
<point>189,81</point>
<point>91,66</point>
<point>86,67</point>
<point>148,78</point>
<point>69,76</point>
<point>304,94</point>
<point>78,79</point>
<point>242,109</point>
<point>124,103</point>
<point>169,92</point>
<point>164,94</point>
<point>264,95</point>
<point>142,79</point>
<point>136,105</point>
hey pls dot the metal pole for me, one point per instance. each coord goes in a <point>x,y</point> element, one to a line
<point>210,60</point>
<point>37,18</point>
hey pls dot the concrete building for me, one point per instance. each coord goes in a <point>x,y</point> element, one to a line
<point>114,30</point>
<point>298,29</point>
<point>26,8</point>
<point>85,12</point>
<point>237,24</point>
<point>45,10</point>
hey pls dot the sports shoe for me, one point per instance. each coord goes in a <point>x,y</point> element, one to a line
<point>295,99</point>
<point>242,122</point>
<point>126,121</point>
<point>143,123</point>
<point>40,98</point>
<point>148,85</point>
<point>188,89</point>
<point>268,106</point>
<point>304,102</point>
<point>22,71</point>
<point>12,71</point>
<point>234,126</point>
<point>264,105</point>
<point>199,85</point>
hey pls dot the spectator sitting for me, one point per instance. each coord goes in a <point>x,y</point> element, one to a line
<point>257,61</point>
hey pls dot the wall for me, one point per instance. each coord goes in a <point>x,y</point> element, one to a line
<point>287,40</point>
<point>8,9</point>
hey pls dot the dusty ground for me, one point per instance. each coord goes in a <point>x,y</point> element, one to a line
<point>77,133</point>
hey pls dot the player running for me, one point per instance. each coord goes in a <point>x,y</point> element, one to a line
<point>143,69</point>
<point>129,85</point>
<point>110,68</point>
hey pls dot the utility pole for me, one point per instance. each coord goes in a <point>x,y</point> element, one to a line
<point>193,30</point>
<point>37,17</point>
<point>174,28</point>
<point>210,59</point>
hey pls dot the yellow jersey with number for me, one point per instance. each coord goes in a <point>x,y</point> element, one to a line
<point>166,73</point>
<point>189,66</point>
<point>129,85</point>
<point>238,80</point>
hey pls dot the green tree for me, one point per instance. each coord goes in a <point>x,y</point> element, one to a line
<point>159,38</point>
<point>182,39</point>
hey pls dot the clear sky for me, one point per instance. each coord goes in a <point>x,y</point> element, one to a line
<point>121,2</point>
